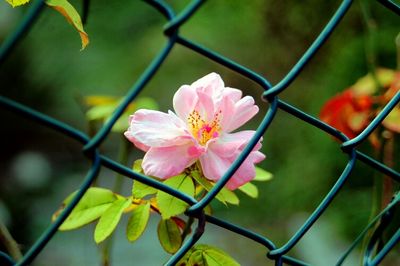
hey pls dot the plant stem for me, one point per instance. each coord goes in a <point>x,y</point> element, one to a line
<point>370,46</point>
<point>388,151</point>
<point>397,42</point>
<point>9,242</point>
<point>123,159</point>
<point>187,229</point>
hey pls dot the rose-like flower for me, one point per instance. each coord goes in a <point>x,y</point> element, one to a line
<point>206,113</point>
<point>347,112</point>
<point>352,110</point>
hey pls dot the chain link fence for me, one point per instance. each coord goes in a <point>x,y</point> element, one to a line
<point>90,146</point>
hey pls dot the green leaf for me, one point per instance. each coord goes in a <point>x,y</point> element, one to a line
<point>169,205</point>
<point>140,190</point>
<point>92,205</point>
<point>138,222</point>
<point>228,196</point>
<point>145,103</point>
<point>109,220</point>
<point>100,112</point>
<point>204,255</point>
<point>137,166</point>
<point>72,16</point>
<point>250,190</point>
<point>15,3</point>
<point>224,196</point>
<point>169,235</point>
<point>262,175</point>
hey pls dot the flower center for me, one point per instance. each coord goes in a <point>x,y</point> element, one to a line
<point>204,131</point>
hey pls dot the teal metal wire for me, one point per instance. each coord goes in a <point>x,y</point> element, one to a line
<point>270,94</point>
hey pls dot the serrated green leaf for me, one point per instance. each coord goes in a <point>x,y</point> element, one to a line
<point>250,190</point>
<point>224,196</point>
<point>109,220</point>
<point>204,255</point>
<point>92,205</point>
<point>137,222</point>
<point>169,205</point>
<point>262,175</point>
<point>169,235</point>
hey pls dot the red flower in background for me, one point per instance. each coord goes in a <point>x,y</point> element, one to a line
<point>352,110</point>
<point>348,112</point>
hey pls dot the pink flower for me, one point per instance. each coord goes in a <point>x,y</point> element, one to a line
<point>206,113</point>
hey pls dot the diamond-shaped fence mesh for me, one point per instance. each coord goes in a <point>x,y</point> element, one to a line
<point>271,95</point>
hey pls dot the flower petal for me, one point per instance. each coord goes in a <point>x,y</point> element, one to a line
<point>220,155</point>
<point>157,129</point>
<point>205,106</point>
<point>230,143</point>
<point>165,162</point>
<point>211,84</point>
<point>184,101</point>
<point>246,172</point>
<point>244,110</point>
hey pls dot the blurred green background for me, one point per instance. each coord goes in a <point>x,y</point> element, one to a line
<point>39,168</point>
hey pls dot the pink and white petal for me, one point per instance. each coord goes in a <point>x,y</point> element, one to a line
<point>184,101</point>
<point>210,84</point>
<point>232,93</point>
<point>205,106</point>
<point>138,144</point>
<point>213,165</point>
<point>228,144</point>
<point>166,162</point>
<point>246,172</point>
<point>158,129</point>
<point>227,109</point>
<point>245,109</point>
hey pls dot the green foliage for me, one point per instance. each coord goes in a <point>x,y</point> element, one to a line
<point>250,190</point>
<point>102,107</point>
<point>169,205</point>
<point>92,205</point>
<point>140,190</point>
<point>137,222</point>
<point>224,196</point>
<point>169,235</point>
<point>109,220</point>
<point>204,255</point>
<point>262,175</point>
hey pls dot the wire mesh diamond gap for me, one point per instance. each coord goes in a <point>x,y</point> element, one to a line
<point>90,146</point>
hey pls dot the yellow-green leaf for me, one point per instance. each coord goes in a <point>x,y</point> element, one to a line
<point>204,255</point>
<point>169,205</point>
<point>169,235</point>
<point>250,190</point>
<point>392,121</point>
<point>140,190</point>
<point>224,196</point>
<point>262,175</point>
<point>92,205</point>
<point>138,222</point>
<point>15,3</point>
<point>109,220</point>
<point>72,16</point>
<point>367,84</point>
<point>228,196</point>
<point>101,112</point>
